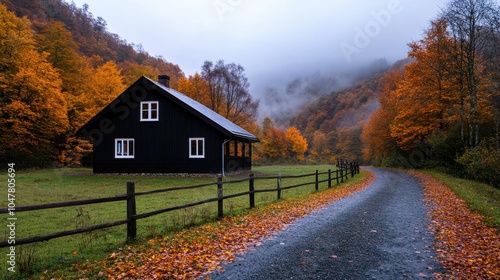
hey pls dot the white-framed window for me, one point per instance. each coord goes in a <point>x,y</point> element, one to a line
<point>196,147</point>
<point>150,111</point>
<point>124,148</point>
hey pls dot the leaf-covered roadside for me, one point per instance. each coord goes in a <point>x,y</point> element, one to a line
<point>466,247</point>
<point>195,252</point>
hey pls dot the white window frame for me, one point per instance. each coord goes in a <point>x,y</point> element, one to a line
<point>120,148</point>
<point>149,110</point>
<point>197,153</point>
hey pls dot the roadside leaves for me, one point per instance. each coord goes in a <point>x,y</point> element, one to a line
<point>466,247</point>
<point>194,252</point>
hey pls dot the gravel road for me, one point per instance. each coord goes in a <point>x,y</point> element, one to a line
<point>378,233</point>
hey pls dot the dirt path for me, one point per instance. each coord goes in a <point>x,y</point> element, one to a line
<point>378,233</point>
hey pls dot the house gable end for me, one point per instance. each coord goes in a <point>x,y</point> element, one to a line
<point>137,92</point>
<point>225,126</point>
<point>121,106</point>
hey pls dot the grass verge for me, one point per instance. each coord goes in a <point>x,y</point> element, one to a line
<point>199,250</point>
<point>481,198</point>
<point>45,186</point>
<point>465,246</point>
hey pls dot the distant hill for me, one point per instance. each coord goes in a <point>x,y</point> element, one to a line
<point>89,33</point>
<point>334,122</point>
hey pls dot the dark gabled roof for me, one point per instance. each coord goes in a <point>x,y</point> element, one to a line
<point>217,121</point>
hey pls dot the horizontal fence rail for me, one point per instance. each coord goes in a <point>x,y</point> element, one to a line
<point>344,169</point>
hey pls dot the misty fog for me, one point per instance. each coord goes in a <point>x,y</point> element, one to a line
<point>283,103</point>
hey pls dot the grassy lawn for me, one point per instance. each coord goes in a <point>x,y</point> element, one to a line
<point>481,198</point>
<point>57,185</point>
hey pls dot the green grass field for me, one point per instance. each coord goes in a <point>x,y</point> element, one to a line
<point>58,185</point>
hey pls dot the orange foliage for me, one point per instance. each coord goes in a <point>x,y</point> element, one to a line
<point>33,113</point>
<point>58,42</point>
<point>195,87</point>
<point>105,84</point>
<point>427,98</point>
<point>48,89</point>
<point>132,71</point>
<point>377,132</point>
<point>274,144</point>
<point>467,248</point>
<point>278,144</point>
<point>38,84</point>
<point>297,143</point>
<point>320,147</point>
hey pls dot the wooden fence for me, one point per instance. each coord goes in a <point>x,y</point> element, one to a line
<point>342,173</point>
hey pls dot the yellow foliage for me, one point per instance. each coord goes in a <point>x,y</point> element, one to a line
<point>105,84</point>
<point>297,143</point>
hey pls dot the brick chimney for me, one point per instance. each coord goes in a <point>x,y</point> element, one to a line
<point>164,80</point>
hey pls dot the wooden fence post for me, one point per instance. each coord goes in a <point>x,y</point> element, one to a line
<point>251,189</point>
<point>329,178</point>
<point>337,176</point>
<point>131,212</point>
<point>352,169</point>
<point>278,185</point>
<point>341,174</point>
<point>317,184</point>
<point>220,204</point>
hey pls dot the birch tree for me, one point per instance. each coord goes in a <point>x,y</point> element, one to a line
<point>472,24</point>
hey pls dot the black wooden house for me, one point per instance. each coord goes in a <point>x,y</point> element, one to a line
<point>151,128</point>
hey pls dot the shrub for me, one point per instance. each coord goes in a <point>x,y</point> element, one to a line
<point>482,164</point>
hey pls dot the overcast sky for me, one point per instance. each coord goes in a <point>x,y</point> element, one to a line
<point>275,41</point>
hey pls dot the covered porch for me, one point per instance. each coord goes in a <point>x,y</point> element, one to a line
<point>237,155</point>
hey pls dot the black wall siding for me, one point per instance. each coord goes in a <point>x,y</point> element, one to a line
<point>162,146</point>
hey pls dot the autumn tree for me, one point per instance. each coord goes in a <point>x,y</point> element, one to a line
<point>132,71</point>
<point>274,144</point>
<point>75,70</point>
<point>106,84</point>
<point>278,144</point>
<point>472,24</point>
<point>433,98</point>
<point>57,41</point>
<point>426,98</point>
<point>195,87</point>
<point>228,92</point>
<point>349,142</point>
<point>267,124</point>
<point>16,37</point>
<point>297,144</point>
<point>379,145</point>
<point>33,114</point>
<point>320,146</point>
